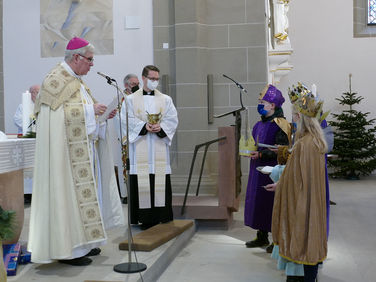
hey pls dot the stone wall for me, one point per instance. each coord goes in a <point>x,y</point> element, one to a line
<point>208,37</point>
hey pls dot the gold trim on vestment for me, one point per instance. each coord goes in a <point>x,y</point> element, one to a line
<point>61,88</point>
<point>83,178</point>
<point>58,87</point>
<point>300,262</point>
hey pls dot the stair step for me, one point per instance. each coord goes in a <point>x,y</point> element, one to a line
<point>210,201</point>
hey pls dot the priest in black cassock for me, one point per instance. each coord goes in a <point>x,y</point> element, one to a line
<point>153,120</point>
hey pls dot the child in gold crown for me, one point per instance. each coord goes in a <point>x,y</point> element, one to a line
<point>299,222</point>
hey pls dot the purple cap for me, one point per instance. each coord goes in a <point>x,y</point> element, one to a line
<point>272,95</point>
<point>77,43</point>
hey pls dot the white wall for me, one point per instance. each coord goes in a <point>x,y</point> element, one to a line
<point>325,52</point>
<point>23,66</point>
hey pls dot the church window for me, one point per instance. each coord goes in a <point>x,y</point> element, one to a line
<point>364,19</point>
<point>371,15</point>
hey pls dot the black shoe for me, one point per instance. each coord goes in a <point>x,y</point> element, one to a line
<point>295,279</point>
<point>82,261</point>
<point>332,203</point>
<point>93,252</point>
<point>145,226</point>
<point>269,249</point>
<point>125,200</point>
<point>27,199</point>
<point>260,241</point>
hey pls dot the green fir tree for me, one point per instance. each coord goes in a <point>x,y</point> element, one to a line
<point>354,140</point>
<point>7,219</point>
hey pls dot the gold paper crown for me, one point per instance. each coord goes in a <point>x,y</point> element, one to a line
<point>307,105</point>
<point>247,146</point>
<point>298,92</point>
<point>263,92</point>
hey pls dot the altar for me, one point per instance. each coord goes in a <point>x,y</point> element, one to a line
<point>15,156</point>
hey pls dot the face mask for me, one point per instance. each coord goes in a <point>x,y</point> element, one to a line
<point>134,88</point>
<point>261,110</point>
<point>152,84</point>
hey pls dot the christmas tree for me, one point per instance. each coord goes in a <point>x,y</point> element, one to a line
<point>6,224</point>
<point>354,140</point>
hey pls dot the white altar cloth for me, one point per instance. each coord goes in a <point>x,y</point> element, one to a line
<point>16,154</point>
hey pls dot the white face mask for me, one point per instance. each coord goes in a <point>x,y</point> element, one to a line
<point>152,85</point>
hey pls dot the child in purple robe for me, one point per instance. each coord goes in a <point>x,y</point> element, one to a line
<point>272,129</point>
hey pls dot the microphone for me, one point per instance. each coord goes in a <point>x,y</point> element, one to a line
<point>106,76</point>
<point>237,84</point>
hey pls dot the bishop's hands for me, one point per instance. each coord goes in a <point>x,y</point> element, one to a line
<point>153,128</point>
<point>112,114</point>
<point>99,110</point>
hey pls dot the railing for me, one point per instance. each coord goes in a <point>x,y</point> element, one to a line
<point>197,147</point>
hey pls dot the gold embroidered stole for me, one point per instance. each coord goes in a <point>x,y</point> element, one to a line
<point>150,153</point>
<point>60,88</point>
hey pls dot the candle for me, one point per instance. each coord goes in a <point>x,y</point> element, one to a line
<point>314,90</point>
<point>27,110</point>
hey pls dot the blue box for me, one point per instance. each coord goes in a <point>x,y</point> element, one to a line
<point>25,256</point>
<point>11,254</point>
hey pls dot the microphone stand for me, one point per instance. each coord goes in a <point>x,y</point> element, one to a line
<point>238,125</point>
<point>127,267</point>
<point>235,112</point>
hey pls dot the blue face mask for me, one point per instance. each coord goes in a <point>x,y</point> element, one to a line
<point>261,110</point>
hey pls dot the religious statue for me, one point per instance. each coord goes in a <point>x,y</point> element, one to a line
<point>279,23</point>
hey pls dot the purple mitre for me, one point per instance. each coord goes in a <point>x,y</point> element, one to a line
<point>272,95</point>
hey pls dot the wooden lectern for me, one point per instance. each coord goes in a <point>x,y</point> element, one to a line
<point>221,206</point>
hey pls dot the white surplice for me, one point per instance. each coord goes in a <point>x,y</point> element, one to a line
<point>149,154</point>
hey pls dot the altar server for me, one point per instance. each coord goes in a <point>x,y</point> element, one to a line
<point>153,120</point>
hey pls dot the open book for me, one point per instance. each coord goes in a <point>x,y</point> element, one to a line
<point>265,169</point>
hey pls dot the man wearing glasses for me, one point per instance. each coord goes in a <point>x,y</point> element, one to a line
<point>131,83</point>
<point>74,190</point>
<point>153,120</point>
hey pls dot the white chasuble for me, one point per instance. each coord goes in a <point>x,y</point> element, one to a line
<point>149,154</point>
<point>66,219</point>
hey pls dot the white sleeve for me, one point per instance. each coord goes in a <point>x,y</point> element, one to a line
<point>169,121</point>
<point>91,123</point>
<point>102,130</point>
<point>18,117</point>
<point>135,124</point>
<point>123,117</point>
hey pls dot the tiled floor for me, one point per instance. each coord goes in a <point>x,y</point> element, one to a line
<point>220,255</point>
